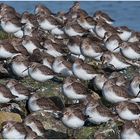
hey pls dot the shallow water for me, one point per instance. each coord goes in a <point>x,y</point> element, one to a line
<point>124,12</point>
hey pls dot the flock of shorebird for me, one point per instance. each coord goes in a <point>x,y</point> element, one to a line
<point>46,46</point>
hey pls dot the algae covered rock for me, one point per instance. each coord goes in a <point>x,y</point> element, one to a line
<point>54,127</point>
<point>8,116</point>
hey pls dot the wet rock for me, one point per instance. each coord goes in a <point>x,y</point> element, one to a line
<point>86,132</point>
<point>54,127</point>
<point>14,108</point>
<point>8,116</point>
<point>109,130</point>
<point>51,134</point>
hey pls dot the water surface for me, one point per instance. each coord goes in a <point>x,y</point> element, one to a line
<point>124,12</point>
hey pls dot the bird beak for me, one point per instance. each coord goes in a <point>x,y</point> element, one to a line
<point>116,48</point>
<point>26,69</point>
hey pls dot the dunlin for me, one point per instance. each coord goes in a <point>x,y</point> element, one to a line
<point>135,86</point>
<point>4,6</point>
<point>18,90</point>
<point>120,79</point>
<point>130,50</point>
<point>18,64</point>
<point>98,113</point>
<point>48,60</point>
<point>39,72</point>
<point>17,44</point>
<point>86,22</point>
<point>13,130</point>
<point>58,32</point>
<point>115,61</point>
<point>30,134</point>
<point>112,41</point>
<point>73,117</point>
<point>36,103</point>
<point>114,93</point>
<point>74,45</point>
<point>135,36</point>
<point>74,12</point>
<point>125,32</point>
<point>128,111</point>
<point>104,16</point>
<point>11,25</point>
<point>54,49</point>
<point>34,124</point>
<point>6,49</point>
<point>48,22</point>
<point>74,89</point>
<point>83,71</point>
<point>130,131</point>
<point>91,48</point>
<point>29,19</point>
<point>102,27</point>
<point>42,10</point>
<point>62,66</point>
<point>72,28</point>
<point>5,94</point>
<point>31,43</point>
<point>36,56</point>
<point>99,80</point>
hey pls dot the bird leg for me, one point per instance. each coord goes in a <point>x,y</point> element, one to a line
<point>74,132</point>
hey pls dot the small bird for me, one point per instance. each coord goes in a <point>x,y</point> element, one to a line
<point>74,89</point>
<point>135,36</point>
<point>30,134</point>
<point>130,50</point>
<point>83,71</point>
<point>86,22</point>
<point>54,49</point>
<point>35,125</point>
<point>99,80</point>
<point>5,94</point>
<point>7,50</point>
<point>13,130</point>
<point>112,42</point>
<point>48,60</point>
<point>31,43</point>
<point>114,93</point>
<point>11,25</point>
<point>36,103</point>
<point>17,44</point>
<point>115,61</point>
<point>135,86</point>
<point>18,90</point>
<point>74,12</point>
<point>124,32</point>
<point>62,66</point>
<point>48,22</point>
<point>74,44</point>
<point>130,131</point>
<point>36,56</point>
<point>98,113</point>
<point>91,48</point>
<point>104,16</point>
<point>19,64</point>
<point>29,19</point>
<point>128,111</point>
<point>72,28</point>
<point>102,27</point>
<point>42,10</point>
<point>73,117</point>
<point>39,72</point>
